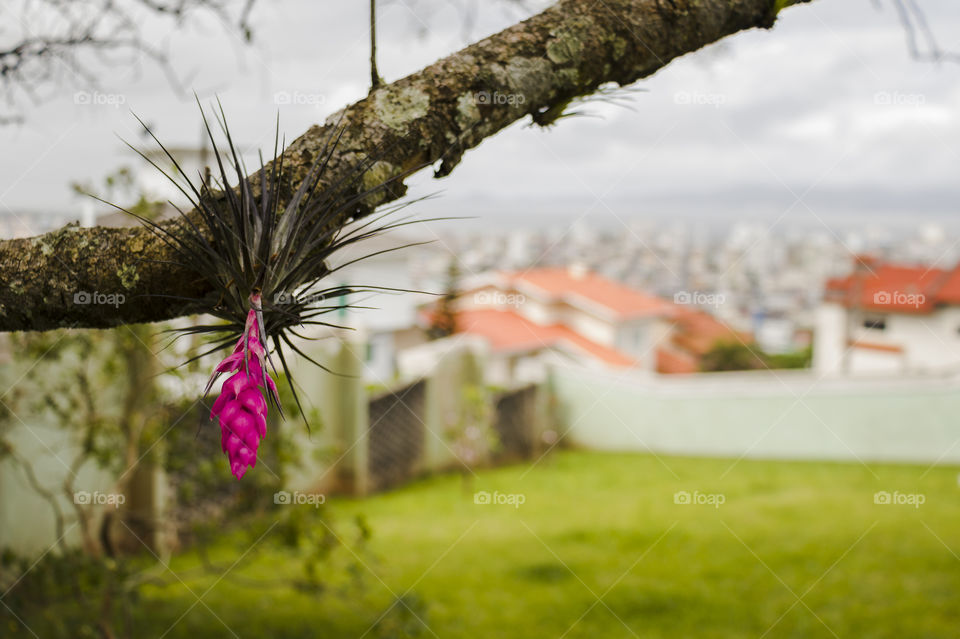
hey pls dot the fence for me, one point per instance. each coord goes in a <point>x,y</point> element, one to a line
<point>517,417</point>
<point>430,425</point>
<point>396,437</point>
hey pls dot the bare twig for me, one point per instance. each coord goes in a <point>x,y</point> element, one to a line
<point>921,41</point>
<point>47,42</point>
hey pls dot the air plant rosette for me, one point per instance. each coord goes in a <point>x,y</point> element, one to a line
<point>265,262</point>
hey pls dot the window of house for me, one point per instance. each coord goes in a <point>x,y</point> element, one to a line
<point>875,323</point>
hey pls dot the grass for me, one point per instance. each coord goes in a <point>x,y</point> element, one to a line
<point>600,549</point>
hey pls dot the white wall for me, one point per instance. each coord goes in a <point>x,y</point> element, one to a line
<point>863,361</point>
<point>931,342</point>
<point>763,414</point>
<point>538,312</point>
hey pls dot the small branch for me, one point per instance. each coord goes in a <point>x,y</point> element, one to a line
<point>375,80</point>
<point>916,28</point>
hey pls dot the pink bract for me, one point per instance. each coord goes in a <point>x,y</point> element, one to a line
<point>242,405</point>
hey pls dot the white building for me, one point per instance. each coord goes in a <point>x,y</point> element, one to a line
<point>889,319</point>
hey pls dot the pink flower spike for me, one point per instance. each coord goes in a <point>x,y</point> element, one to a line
<point>241,407</point>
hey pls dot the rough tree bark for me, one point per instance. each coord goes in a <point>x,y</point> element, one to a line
<point>430,117</point>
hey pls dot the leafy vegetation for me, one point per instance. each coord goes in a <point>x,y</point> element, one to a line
<point>737,356</point>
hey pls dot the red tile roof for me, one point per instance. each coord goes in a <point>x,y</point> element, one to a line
<point>508,331</point>
<point>697,331</point>
<point>674,362</point>
<point>949,292</point>
<point>877,286</point>
<point>567,284</point>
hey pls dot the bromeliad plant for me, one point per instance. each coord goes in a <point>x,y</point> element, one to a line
<point>266,264</point>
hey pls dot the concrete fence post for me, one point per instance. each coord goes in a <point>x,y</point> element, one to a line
<point>445,403</point>
<point>439,397</point>
<point>349,415</point>
<point>544,417</point>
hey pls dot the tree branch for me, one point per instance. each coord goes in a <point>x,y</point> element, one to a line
<point>430,117</point>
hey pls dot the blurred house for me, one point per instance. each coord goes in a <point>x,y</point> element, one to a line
<point>399,274</point>
<point>886,318</point>
<point>692,335</point>
<point>530,318</point>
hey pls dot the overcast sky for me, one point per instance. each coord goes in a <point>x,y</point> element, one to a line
<point>822,118</point>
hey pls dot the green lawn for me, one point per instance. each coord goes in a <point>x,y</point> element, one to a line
<point>600,549</point>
